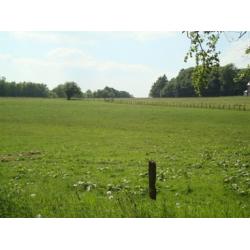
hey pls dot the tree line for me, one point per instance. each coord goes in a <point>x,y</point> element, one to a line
<point>23,89</point>
<point>221,81</point>
<point>66,90</point>
<point>70,89</point>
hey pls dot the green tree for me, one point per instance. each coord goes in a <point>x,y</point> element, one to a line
<point>109,92</point>
<point>158,86</point>
<point>88,94</point>
<point>203,49</point>
<point>241,79</point>
<point>184,85</point>
<point>27,89</point>
<point>214,83</point>
<point>170,90</point>
<point>60,91</point>
<point>228,74</point>
<point>181,86</point>
<point>222,81</point>
<point>72,89</point>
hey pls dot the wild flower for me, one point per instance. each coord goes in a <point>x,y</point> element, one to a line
<point>111,197</point>
<point>33,195</point>
<point>177,204</point>
<point>109,192</point>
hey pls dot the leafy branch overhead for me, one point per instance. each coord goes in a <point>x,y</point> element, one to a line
<point>203,48</point>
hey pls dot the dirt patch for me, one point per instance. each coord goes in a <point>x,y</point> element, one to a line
<point>31,155</point>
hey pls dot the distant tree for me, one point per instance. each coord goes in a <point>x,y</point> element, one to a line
<point>180,86</point>
<point>124,94</point>
<point>170,90</point>
<point>60,91</point>
<point>72,89</point>
<point>184,85</point>
<point>227,80</point>
<point>88,94</point>
<point>221,81</point>
<point>3,86</point>
<point>109,92</point>
<point>241,79</point>
<point>158,86</point>
<point>26,89</point>
<point>214,83</point>
<point>52,94</point>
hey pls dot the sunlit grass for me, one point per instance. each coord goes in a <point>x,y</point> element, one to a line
<point>63,158</point>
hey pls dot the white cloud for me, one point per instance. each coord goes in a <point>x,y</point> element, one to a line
<point>63,64</point>
<point>68,57</point>
<point>73,58</point>
<point>236,54</point>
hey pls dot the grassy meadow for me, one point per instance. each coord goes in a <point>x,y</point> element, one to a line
<point>84,158</point>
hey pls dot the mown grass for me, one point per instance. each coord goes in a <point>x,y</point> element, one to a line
<point>63,158</point>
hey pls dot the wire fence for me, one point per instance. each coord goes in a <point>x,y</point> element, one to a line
<point>202,105</point>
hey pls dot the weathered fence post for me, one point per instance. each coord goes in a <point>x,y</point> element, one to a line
<point>152,179</point>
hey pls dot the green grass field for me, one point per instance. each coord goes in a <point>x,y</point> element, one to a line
<point>81,158</point>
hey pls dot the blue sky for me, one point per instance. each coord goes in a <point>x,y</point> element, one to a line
<point>129,61</point>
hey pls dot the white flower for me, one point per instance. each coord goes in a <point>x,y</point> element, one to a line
<point>109,193</point>
<point>111,197</point>
<point>33,195</point>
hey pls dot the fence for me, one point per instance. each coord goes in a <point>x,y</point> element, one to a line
<point>240,107</point>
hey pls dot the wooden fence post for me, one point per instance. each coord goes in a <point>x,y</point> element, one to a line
<point>152,179</point>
